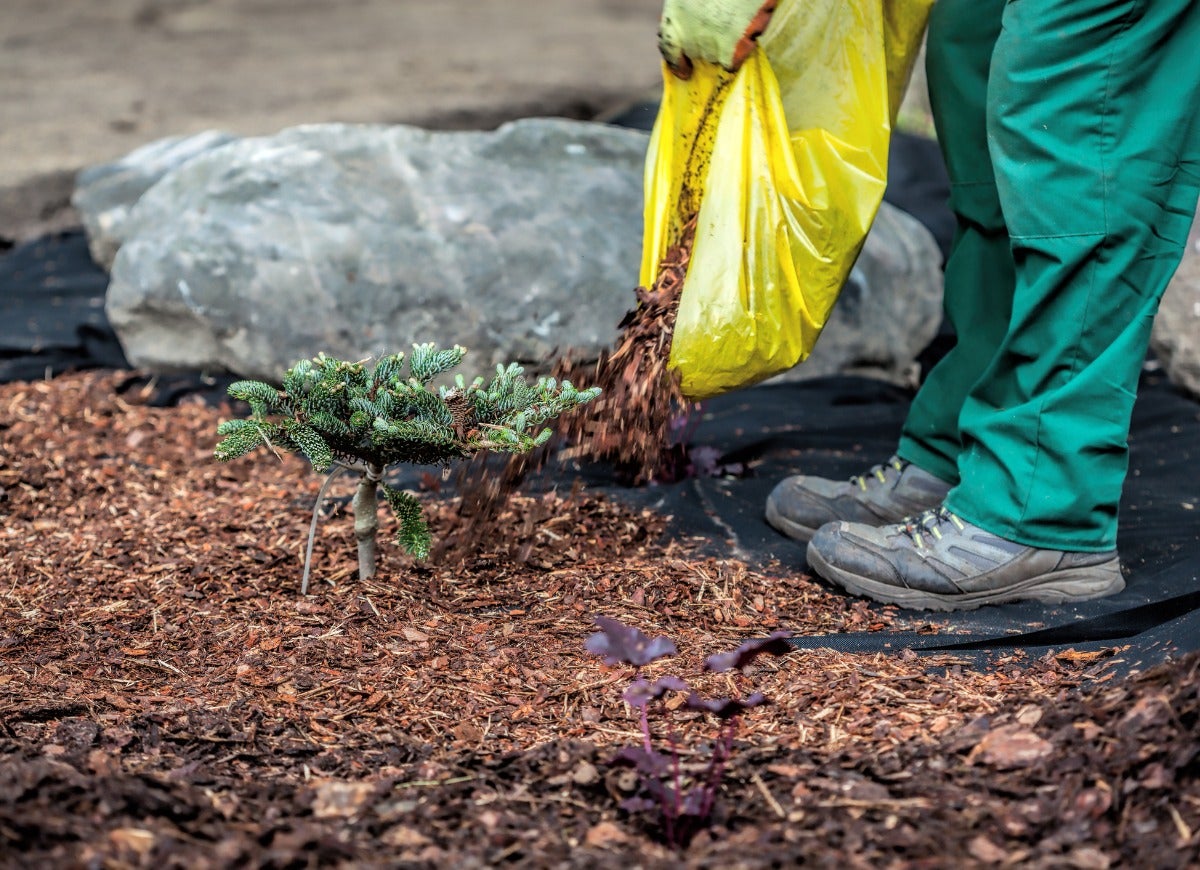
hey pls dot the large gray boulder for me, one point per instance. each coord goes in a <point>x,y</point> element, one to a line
<point>356,240</point>
<point>1176,336</point>
<point>105,194</point>
<point>889,309</point>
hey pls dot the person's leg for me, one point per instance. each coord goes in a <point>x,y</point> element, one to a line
<point>979,269</point>
<point>978,295</point>
<point>1094,128</point>
<point>1094,123</point>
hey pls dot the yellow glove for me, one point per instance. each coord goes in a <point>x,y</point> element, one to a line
<point>717,31</point>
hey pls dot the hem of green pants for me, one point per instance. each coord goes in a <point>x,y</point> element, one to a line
<point>1003,530</point>
<point>912,451</point>
<point>926,460</point>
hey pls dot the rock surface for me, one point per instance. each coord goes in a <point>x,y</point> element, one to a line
<point>1176,336</point>
<point>356,240</point>
<point>104,194</point>
<point>888,311</point>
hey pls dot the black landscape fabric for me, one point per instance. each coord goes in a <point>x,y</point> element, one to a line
<point>52,310</point>
<point>837,427</point>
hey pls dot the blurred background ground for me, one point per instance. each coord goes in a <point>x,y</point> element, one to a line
<point>87,81</point>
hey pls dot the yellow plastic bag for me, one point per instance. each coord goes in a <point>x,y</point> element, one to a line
<point>784,165</point>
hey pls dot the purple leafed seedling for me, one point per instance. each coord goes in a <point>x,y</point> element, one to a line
<point>724,708</point>
<point>683,811</point>
<point>681,459</point>
<point>775,644</point>
<point>642,693</point>
<point>706,462</point>
<point>619,643</point>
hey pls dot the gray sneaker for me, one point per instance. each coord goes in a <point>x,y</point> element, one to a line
<point>939,561</point>
<point>888,493</point>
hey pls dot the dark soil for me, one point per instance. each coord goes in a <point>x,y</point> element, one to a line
<point>168,700</point>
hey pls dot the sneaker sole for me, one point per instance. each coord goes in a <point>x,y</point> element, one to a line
<point>1057,587</point>
<point>790,528</point>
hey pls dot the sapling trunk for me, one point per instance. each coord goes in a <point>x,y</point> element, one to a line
<point>366,519</point>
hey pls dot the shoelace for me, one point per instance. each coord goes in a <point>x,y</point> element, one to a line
<point>877,472</point>
<point>928,524</point>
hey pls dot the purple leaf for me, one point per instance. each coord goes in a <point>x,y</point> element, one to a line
<point>642,693</point>
<point>723,708</point>
<point>706,462</point>
<point>638,805</point>
<point>618,642</point>
<point>774,644</point>
<point>697,802</point>
<point>648,764</point>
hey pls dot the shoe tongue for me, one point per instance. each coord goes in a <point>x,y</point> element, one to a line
<point>933,518</point>
<point>889,471</point>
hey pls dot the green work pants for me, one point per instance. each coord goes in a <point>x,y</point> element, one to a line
<point>1071,132</point>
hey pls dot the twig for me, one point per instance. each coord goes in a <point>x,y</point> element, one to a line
<point>1184,831</point>
<point>266,441</point>
<point>432,783</point>
<point>767,796</point>
<point>886,803</point>
<point>312,529</point>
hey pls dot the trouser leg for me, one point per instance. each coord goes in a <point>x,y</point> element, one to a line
<point>979,268</point>
<point>1093,120</point>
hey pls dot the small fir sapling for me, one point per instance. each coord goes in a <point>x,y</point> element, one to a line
<point>345,416</point>
<point>682,812</point>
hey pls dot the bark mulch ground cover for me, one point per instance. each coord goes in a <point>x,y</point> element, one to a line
<point>167,699</point>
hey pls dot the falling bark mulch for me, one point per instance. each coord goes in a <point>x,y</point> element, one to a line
<point>167,698</point>
<point>628,426</point>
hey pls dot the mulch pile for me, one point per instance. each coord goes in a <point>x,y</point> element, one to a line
<point>167,699</point>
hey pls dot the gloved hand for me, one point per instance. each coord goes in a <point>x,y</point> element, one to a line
<point>718,31</point>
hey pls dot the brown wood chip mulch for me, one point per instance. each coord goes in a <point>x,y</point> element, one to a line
<point>168,700</point>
